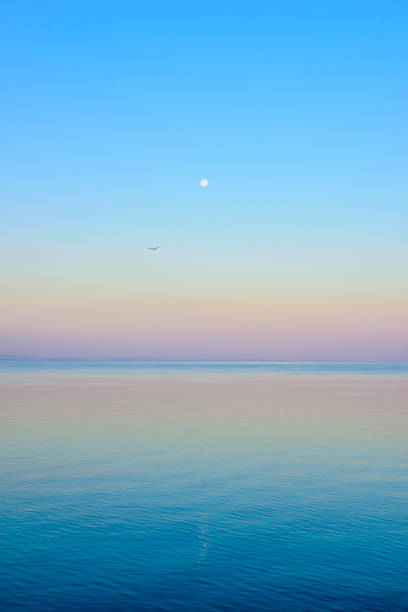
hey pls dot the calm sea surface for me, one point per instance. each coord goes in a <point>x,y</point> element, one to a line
<point>203,486</point>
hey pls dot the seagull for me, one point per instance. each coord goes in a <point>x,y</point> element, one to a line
<point>153,248</point>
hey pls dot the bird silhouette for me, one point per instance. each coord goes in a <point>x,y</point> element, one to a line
<point>153,248</point>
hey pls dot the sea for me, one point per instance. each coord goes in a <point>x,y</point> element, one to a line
<point>203,486</point>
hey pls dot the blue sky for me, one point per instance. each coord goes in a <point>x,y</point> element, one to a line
<point>294,111</point>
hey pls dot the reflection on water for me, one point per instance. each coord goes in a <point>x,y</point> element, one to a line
<point>173,486</point>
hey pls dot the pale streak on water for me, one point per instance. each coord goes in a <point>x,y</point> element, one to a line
<point>171,486</point>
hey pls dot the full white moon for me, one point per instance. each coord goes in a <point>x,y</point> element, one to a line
<point>203,182</point>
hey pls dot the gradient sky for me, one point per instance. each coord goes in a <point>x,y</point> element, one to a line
<point>296,113</point>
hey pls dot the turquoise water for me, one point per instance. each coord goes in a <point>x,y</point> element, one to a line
<point>203,486</point>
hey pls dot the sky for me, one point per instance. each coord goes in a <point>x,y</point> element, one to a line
<point>296,114</point>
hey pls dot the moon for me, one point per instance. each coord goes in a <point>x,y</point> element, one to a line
<point>203,182</point>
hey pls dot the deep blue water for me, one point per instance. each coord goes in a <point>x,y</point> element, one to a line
<point>203,486</point>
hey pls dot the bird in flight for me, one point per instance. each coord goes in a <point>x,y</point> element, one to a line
<point>153,248</point>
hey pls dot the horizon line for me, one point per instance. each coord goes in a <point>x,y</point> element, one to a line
<point>189,360</point>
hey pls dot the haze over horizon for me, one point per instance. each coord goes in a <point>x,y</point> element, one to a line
<point>296,115</point>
